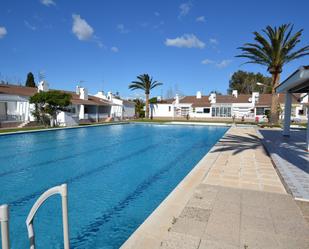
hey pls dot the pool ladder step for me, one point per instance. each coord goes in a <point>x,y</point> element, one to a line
<point>4,217</point>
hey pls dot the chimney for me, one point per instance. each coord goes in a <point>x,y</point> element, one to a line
<point>100,95</point>
<point>83,93</point>
<point>177,99</point>
<point>109,95</point>
<point>212,98</point>
<point>198,94</point>
<point>255,97</point>
<point>43,86</point>
<point>235,93</point>
<point>77,90</point>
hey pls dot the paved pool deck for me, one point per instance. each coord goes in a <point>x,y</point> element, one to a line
<point>236,200</point>
<point>291,158</point>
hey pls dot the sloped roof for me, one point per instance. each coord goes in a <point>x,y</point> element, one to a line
<point>30,91</point>
<point>196,102</point>
<point>265,99</point>
<point>229,99</point>
<point>17,90</point>
<point>166,101</point>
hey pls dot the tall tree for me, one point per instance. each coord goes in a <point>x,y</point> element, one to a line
<point>145,83</point>
<point>246,82</point>
<point>30,80</point>
<point>139,108</point>
<point>274,51</point>
<point>49,104</point>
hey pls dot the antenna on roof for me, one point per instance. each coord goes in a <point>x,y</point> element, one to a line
<point>80,82</point>
<point>41,75</point>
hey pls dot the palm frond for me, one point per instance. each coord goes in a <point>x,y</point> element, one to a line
<point>275,48</point>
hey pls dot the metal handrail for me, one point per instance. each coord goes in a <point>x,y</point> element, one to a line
<point>4,220</point>
<point>62,190</point>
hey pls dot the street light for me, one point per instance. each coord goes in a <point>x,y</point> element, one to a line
<point>261,84</point>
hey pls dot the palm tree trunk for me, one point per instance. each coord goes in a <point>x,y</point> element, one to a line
<point>147,106</point>
<point>274,113</point>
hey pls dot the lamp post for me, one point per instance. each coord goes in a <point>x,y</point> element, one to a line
<point>262,85</point>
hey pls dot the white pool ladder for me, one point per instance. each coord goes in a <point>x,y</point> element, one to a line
<point>4,217</point>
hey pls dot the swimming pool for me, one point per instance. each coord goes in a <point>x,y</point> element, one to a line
<point>116,175</point>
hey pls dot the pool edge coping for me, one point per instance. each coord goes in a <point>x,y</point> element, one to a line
<point>154,228</point>
<point>60,128</point>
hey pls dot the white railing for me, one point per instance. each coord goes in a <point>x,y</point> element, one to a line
<point>62,190</point>
<point>4,217</point>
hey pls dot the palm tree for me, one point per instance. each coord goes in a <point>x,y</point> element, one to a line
<point>274,51</point>
<point>146,83</point>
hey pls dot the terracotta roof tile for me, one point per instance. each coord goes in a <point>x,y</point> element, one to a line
<point>166,101</point>
<point>265,99</point>
<point>30,91</point>
<point>202,102</point>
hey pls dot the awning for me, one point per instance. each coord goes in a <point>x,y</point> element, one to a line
<point>298,82</point>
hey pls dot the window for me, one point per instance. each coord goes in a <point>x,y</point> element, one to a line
<point>169,108</point>
<point>260,111</point>
<point>184,111</point>
<point>221,111</point>
<point>206,110</point>
<point>300,112</point>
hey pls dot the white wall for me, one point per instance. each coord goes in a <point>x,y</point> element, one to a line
<point>162,110</point>
<point>242,109</point>
<point>199,112</point>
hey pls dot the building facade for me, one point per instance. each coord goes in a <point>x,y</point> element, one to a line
<point>15,109</point>
<point>251,107</point>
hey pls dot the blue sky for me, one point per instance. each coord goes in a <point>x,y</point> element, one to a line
<point>187,45</point>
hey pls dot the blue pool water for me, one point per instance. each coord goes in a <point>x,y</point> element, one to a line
<point>116,175</point>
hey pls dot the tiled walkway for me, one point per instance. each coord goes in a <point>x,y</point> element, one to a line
<point>291,158</point>
<point>240,204</point>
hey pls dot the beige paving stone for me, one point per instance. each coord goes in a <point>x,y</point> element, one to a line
<point>223,227</point>
<point>289,242</point>
<point>255,211</point>
<point>273,188</point>
<point>197,214</point>
<point>209,244</point>
<point>258,240</point>
<point>180,241</point>
<point>251,186</point>
<point>254,223</point>
<point>189,227</point>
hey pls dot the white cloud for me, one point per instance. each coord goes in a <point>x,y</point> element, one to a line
<point>81,28</point>
<point>121,28</point>
<point>48,2</point>
<point>3,32</point>
<point>220,64</point>
<point>185,41</point>
<point>223,63</point>
<point>30,26</point>
<point>207,61</point>
<point>213,41</point>
<point>200,19</point>
<point>184,9</point>
<point>114,49</point>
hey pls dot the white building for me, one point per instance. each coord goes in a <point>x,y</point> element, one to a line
<point>253,107</point>
<point>121,108</point>
<point>15,109</point>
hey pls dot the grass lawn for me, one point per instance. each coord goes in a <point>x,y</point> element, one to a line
<point>21,129</point>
